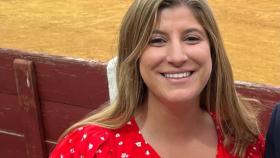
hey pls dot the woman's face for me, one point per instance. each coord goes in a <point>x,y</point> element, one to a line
<point>176,64</point>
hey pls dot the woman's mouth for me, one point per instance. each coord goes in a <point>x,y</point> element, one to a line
<point>178,75</point>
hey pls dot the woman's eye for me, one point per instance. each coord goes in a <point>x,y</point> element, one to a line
<point>192,39</point>
<point>157,41</point>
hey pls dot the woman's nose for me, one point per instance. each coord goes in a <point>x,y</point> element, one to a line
<point>176,54</point>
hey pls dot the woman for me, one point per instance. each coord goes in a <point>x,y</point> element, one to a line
<point>176,95</point>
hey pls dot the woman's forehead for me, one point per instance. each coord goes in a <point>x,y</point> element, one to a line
<point>177,15</point>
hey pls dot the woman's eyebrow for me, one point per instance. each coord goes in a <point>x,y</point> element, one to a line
<point>156,31</point>
<point>189,30</point>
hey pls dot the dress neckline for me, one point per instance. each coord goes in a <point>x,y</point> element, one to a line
<point>217,127</point>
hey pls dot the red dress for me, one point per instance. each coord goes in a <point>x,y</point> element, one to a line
<point>127,142</point>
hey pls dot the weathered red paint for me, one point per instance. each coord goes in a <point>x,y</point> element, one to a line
<point>31,118</point>
<point>12,146</point>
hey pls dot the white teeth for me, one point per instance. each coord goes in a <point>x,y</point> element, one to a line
<point>178,75</point>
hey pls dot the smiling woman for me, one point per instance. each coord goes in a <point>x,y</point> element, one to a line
<point>176,94</point>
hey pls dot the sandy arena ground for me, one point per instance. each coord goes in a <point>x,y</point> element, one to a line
<point>88,29</point>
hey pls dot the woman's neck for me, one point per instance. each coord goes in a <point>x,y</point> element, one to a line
<point>174,129</point>
<point>160,120</point>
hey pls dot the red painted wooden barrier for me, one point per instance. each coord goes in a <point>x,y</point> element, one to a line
<point>42,95</point>
<point>34,113</point>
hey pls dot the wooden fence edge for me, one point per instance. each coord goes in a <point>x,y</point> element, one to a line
<point>30,109</point>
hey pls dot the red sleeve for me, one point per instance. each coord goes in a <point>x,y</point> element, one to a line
<point>83,142</point>
<point>256,150</point>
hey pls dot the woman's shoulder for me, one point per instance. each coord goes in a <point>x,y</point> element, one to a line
<point>96,141</point>
<point>85,141</point>
<point>254,150</point>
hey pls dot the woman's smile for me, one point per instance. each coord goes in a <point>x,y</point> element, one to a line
<point>183,77</point>
<point>177,75</point>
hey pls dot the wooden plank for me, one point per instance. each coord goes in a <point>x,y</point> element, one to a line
<point>264,93</point>
<point>76,82</point>
<point>10,113</point>
<point>58,117</point>
<point>12,145</point>
<point>73,84</point>
<point>31,112</point>
<point>267,95</point>
<point>7,81</point>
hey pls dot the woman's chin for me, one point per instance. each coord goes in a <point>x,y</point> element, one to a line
<point>181,98</point>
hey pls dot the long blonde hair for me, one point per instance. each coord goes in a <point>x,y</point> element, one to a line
<point>238,121</point>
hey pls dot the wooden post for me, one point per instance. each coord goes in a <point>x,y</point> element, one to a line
<point>30,109</point>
